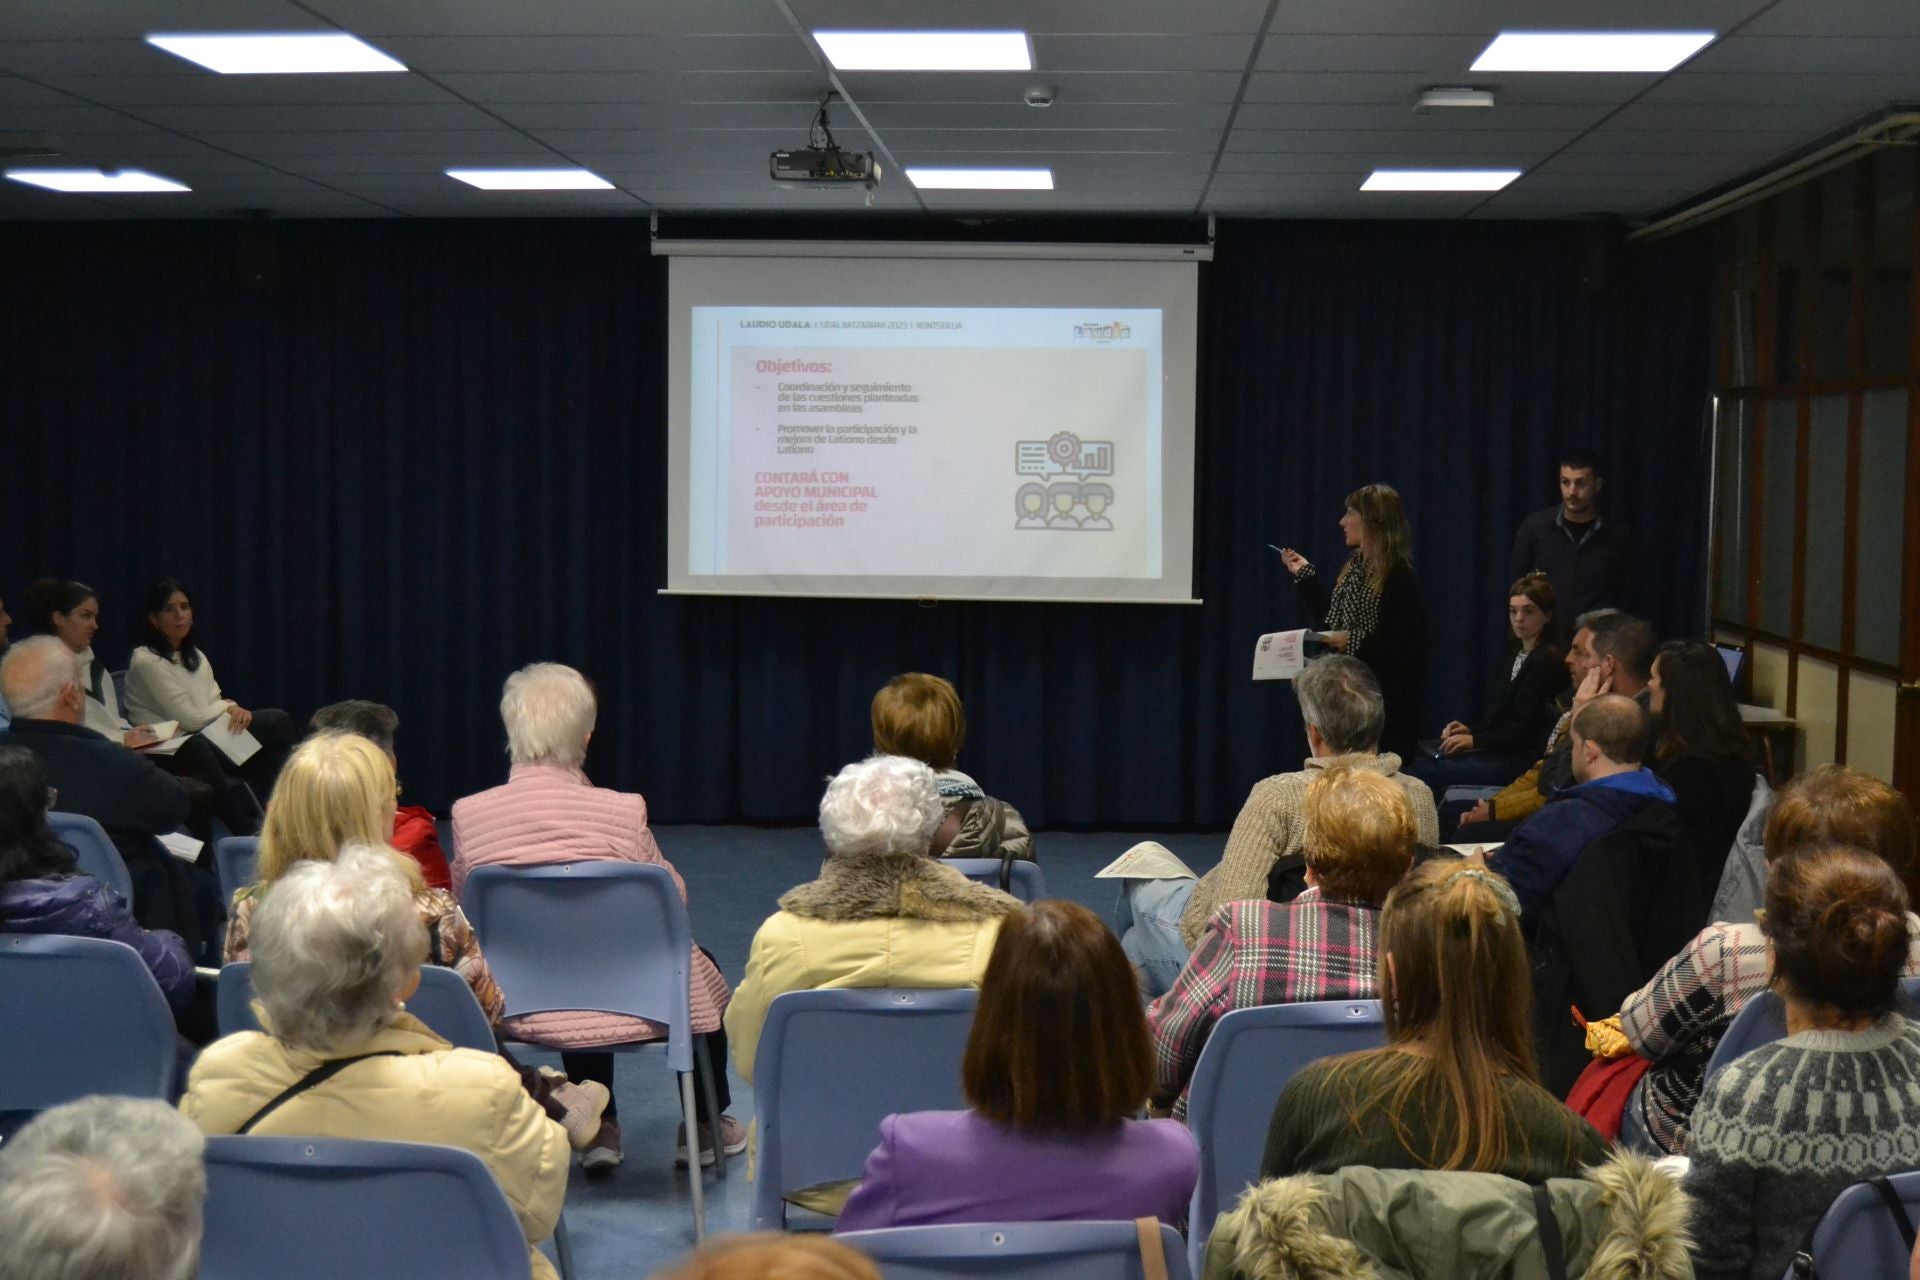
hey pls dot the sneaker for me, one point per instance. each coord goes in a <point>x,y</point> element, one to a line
<point>733,1135</point>
<point>584,1101</point>
<point>603,1153</point>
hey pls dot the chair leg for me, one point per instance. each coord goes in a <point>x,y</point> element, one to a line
<point>563,1246</point>
<point>694,1177</point>
<point>705,1060</point>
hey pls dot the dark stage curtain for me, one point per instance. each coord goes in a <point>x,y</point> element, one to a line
<point>395,460</point>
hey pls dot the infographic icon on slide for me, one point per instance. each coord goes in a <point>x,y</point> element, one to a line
<point>1071,499</point>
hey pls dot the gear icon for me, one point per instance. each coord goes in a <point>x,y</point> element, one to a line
<point>1064,448</point>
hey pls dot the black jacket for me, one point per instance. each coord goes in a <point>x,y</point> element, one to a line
<point>1521,712</point>
<point>1396,651</point>
<point>1596,572</point>
<point>1712,795</point>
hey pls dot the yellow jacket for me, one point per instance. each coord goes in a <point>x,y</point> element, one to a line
<point>433,1093</point>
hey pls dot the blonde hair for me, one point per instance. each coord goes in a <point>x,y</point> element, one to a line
<point>1360,833</point>
<point>337,789</point>
<point>1378,506</point>
<point>771,1256</point>
<point>919,716</point>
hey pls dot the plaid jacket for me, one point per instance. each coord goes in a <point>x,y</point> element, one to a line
<point>1679,1018</point>
<point>1254,953</point>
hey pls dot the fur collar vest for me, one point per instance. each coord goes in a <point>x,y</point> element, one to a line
<point>895,885</point>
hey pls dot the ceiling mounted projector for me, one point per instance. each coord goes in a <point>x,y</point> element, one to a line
<point>823,162</point>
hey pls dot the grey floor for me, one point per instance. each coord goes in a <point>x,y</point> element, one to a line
<point>640,1217</point>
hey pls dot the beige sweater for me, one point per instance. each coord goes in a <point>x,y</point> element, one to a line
<point>1272,824</point>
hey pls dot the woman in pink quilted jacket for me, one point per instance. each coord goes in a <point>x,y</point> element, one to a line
<point>548,812</point>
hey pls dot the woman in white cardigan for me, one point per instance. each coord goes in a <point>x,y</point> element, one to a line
<point>169,678</point>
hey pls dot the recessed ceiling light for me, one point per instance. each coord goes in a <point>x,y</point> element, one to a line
<point>926,50</point>
<point>531,179</point>
<point>1438,179</point>
<point>276,52</point>
<point>1591,50</point>
<point>125,181</point>
<point>981,179</point>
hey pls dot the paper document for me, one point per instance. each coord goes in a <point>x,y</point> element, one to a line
<point>170,740</point>
<point>1468,850</point>
<point>238,747</point>
<point>182,846</point>
<point>1282,655</point>
<point>1148,860</point>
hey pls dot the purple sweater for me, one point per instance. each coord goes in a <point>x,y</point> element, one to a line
<point>954,1166</point>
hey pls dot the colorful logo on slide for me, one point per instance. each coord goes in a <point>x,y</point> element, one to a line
<point>1072,500</point>
<point>1112,331</point>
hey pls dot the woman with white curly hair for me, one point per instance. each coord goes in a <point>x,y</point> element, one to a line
<point>882,913</point>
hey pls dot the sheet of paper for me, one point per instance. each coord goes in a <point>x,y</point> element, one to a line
<point>1148,860</point>
<point>182,846</point>
<point>238,747</point>
<point>166,747</point>
<point>1468,850</point>
<point>1281,655</point>
<point>164,729</point>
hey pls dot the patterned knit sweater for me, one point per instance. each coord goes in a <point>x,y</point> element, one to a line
<point>1784,1129</point>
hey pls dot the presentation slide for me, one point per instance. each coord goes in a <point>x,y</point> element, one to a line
<point>954,451</point>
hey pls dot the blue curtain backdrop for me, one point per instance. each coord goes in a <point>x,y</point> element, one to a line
<point>395,460</point>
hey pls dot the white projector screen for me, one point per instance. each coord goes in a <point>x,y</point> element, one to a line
<point>954,428</point>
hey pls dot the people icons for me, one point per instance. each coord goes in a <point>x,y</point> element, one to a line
<point>1063,505</point>
<point>1096,498</point>
<point>1028,506</point>
<point>1064,497</point>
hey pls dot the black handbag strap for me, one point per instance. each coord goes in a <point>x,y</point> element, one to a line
<point>319,1075</point>
<point>1551,1243</point>
<point>1896,1208</point>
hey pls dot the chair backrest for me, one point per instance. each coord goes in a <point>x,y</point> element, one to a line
<point>1025,883</point>
<point>1028,1250</point>
<point>93,851</point>
<point>323,1207</point>
<point>80,1016</point>
<point>1857,1236</point>
<point>236,858</point>
<point>606,936</point>
<point>1763,1019</point>
<point>444,1002</point>
<point>1248,1059</point>
<point>831,1065</point>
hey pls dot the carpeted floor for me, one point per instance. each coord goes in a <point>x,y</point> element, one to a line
<point>640,1217</point>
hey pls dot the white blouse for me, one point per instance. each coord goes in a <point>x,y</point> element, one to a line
<point>103,718</point>
<point>163,689</point>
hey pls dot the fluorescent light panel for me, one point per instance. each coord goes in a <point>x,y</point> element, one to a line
<point>276,52</point>
<point>531,179</point>
<point>123,182</point>
<point>1591,50</point>
<point>926,50</point>
<point>981,179</point>
<point>1438,179</point>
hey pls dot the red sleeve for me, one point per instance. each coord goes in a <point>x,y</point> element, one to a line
<point>414,834</point>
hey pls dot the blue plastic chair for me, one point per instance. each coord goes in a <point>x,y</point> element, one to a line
<point>1763,1019</point>
<point>1026,883</point>
<point>1248,1059</point>
<point>1028,1250</point>
<point>607,936</point>
<point>93,851</point>
<point>80,1016</point>
<point>1857,1236</point>
<point>235,858</point>
<point>831,1065</point>
<point>295,1208</point>
<point>444,1002</point>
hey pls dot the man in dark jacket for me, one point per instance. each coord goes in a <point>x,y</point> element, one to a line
<point>1587,557</point>
<point>1609,741</point>
<point>127,795</point>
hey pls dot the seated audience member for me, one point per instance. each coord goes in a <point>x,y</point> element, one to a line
<point>1520,713</point>
<point>1057,1063</point>
<point>103,1189</point>
<point>125,794</point>
<point>919,716</point>
<point>1454,1088</point>
<point>1609,741</point>
<point>170,678</point>
<point>414,832</point>
<point>1782,1130</point>
<point>1611,653</point>
<point>337,949</point>
<point>548,812</point>
<point>1700,747</point>
<point>1677,1019</point>
<point>1360,841</point>
<point>1341,705</point>
<point>71,611</point>
<point>772,1255</point>
<point>882,913</point>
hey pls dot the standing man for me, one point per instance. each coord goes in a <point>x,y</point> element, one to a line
<point>1587,557</point>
